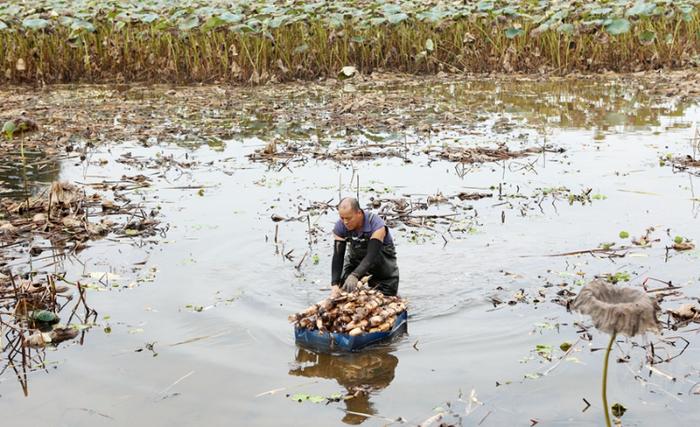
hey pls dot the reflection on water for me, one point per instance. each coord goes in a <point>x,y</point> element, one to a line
<point>567,104</point>
<point>24,335</point>
<point>39,171</point>
<point>362,374</point>
<point>201,221</point>
<point>606,107</point>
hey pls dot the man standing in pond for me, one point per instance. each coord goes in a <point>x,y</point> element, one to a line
<point>371,250</point>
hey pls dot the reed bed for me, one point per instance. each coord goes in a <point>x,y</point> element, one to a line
<point>256,42</point>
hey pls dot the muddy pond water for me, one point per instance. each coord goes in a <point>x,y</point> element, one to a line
<point>192,327</point>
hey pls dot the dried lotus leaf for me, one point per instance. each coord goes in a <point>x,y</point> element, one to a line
<point>71,222</point>
<point>39,219</point>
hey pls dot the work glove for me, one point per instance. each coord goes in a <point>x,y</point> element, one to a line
<point>350,283</point>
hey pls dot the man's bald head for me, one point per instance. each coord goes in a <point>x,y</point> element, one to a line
<point>350,213</point>
<point>349,204</point>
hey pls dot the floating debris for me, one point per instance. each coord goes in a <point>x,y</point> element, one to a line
<point>41,339</point>
<point>482,155</point>
<point>30,319</point>
<point>63,212</point>
<point>682,244</point>
<point>686,313</point>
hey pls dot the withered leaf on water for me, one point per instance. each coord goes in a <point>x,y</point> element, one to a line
<point>686,312</point>
<point>56,336</point>
<point>683,246</point>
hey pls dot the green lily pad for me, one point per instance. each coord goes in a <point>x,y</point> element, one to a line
<point>620,276</point>
<point>685,8</point>
<point>544,350</point>
<point>148,18</point>
<point>303,397</point>
<point>397,18</point>
<point>566,28</point>
<point>618,26</point>
<point>512,33</point>
<point>606,245</point>
<point>485,6</point>
<point>9,128</point>
<point>231,18</point>
<point>188,23</point>
<point>213,23</point>
<point>80,25</point>
<point>647,37</point>
<point>35,23</point>
<point>642,8</point>
<point>601,11</point>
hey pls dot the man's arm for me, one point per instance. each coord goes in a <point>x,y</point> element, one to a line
<point>339,245</point>
<point>379,234</point>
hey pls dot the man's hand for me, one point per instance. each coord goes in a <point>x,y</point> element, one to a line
<point>350,283</point>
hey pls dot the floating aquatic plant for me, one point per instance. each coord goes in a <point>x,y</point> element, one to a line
<point>616,310</point>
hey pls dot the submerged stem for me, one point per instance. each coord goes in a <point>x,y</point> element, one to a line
<point>24,173</point>
<point>605,380</point>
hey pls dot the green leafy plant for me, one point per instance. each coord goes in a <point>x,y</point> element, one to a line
<point>620,276</point>
<point>261,40</point>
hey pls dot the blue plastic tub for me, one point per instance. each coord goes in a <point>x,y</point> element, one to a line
<point>331,341</point>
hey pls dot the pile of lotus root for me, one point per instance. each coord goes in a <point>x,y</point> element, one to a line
<point>354,313</point>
